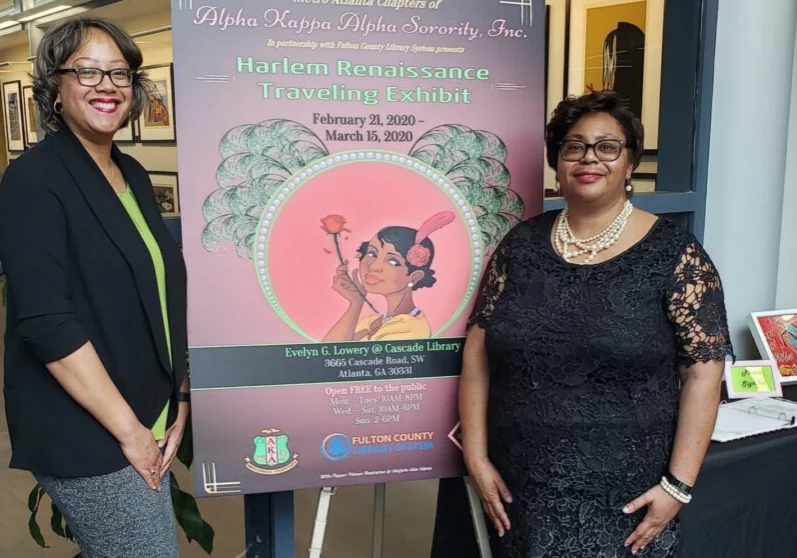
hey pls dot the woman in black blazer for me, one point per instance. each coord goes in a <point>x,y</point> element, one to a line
<point>96,387</point>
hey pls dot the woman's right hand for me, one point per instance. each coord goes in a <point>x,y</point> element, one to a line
<point>492,491</point>
<point>349,287</point>
<point>142,452</point>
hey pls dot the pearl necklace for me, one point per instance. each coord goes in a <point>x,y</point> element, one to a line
<point>594,244</point>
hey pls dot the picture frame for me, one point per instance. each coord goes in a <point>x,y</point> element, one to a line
<point>555,72</point>
<point>595,55</point>
<point>30,116</point>
<point>775,336</point>
<point>752,378</point>
<point>126,134</point>
<point>166,187</point>
<point>12,111</point>
<point>156,123</point>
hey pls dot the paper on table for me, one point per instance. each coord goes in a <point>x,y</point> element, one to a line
<point>750,417</point>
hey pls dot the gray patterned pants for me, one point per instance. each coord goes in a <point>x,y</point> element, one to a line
<point>116,515</point>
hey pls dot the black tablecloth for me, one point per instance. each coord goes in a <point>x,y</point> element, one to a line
<point>745,504</point>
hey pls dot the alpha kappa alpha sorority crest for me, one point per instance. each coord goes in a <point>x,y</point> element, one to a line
<point>271,454</point>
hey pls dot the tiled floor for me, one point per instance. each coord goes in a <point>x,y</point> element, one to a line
<point>408,522</point>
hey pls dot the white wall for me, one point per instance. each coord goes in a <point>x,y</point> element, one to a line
<point>752,100</point>
<point>787,265</point>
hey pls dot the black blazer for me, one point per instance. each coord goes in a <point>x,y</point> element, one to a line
<point>78,271</point>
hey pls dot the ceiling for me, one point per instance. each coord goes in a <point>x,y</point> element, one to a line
<point>131,9</point>
<point>120,11</point>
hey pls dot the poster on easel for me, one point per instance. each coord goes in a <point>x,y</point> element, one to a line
<point>347,167</point>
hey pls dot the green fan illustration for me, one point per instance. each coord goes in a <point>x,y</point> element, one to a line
<point>257,159</point>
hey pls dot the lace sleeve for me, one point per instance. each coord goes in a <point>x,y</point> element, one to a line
<point>697,308</point>
<point>492,285</point>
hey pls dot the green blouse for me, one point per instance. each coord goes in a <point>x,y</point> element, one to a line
<point>134,211</point>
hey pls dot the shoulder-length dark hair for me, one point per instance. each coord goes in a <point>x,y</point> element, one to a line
<point>572,109</point>
<point>62,41</point>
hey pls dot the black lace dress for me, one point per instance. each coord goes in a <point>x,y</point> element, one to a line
<point>584,381</point>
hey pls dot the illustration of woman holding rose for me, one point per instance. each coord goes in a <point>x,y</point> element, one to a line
<point>394,263</point>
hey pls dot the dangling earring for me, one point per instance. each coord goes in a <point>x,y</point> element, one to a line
<point>557,188</point>
<point>628,187</point>
<point>58,107</point>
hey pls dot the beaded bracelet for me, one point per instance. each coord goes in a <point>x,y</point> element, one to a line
<point>674,492</point>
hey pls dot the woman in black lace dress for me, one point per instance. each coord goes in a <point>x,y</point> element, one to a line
<point>593,365</point>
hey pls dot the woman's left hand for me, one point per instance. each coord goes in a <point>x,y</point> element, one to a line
<point>662,508</point>
<point>174,437</point>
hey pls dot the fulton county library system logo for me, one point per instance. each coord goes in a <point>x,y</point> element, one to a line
<point>271,454</point>
<point>336,447</point>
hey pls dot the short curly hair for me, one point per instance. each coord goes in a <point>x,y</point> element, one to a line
<point>62,41</point>
<point>572,109</point>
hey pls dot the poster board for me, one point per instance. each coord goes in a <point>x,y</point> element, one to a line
<point>346,169</point>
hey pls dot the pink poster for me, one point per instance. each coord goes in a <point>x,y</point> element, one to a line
<point>346,169</point>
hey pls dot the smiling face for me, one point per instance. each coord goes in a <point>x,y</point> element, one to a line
<point>95,113</point>
<point>590,179</point>
<point>383,270</point>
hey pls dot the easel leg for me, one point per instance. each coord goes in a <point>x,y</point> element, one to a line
<point>319,528</point>
<point>477,512</point>
<point>268,520</point>
<point>379,520</point>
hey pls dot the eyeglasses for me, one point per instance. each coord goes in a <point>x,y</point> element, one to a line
<point>91,77</point>
<point>605,150</point>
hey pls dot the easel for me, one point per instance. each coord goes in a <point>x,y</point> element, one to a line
<point>378,532</point>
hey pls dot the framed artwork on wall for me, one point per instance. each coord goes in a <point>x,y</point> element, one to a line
<point>30,116</point>
<point>126,134</point>
<point>616,44</point>
<point>555,71</point>
<point>775,335</point>
<point>156,123</point>
<point>166,192</point>
<point>12,110</point>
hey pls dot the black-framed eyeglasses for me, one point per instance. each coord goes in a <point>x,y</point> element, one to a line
<point>607,150</point>
<point>91,77</point>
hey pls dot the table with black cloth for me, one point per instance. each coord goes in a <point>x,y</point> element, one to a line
<point>744,506</point>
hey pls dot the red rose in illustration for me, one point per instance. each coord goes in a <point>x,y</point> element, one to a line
<point>418,255</point>
<point>334,224</point>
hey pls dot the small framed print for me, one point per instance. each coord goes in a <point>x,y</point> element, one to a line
<point>12,109</point>
<point>752,378</point>
<point>166,192</point>
<point>30,116</point>
<point>775,335</point>
<point>156,123</point>
<point>126,134</point>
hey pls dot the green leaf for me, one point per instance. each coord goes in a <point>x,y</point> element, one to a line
<point>185,453</point>
<point>34,499</point>
<point>187,514</point>
<point>36,532</point>
<point>57,521</point>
